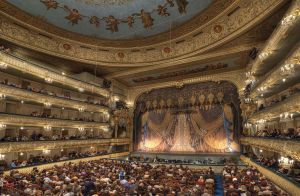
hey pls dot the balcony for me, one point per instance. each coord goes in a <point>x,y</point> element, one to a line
<point>285,146</point>
<point>44,98</point>
<point>41,71</point>
<point>290,104</point>
<point>23,120</point>
<point>282,182</point>
<point>6,147</point>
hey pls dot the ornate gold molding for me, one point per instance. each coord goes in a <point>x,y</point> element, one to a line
<point>42,98</point>
<point>283,183</point>
<point>20,120</point>
<point>276,41</point>
<point>276,75</point>
<point>286,147</point>
<point>206,37</point>
<point>50,165</point>
<point>237,77</point>
<point>42,72</point>
<point>6,147</point>
<point>290,104</point>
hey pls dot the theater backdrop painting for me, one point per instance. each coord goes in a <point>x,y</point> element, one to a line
<point>200,118</point>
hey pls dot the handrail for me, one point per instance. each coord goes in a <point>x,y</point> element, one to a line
<point>41,98</point>
<point>283,183</point>
<point>20,64</point>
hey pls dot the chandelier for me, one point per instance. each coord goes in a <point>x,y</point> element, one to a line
<point>286,116</point>
<point>81,129</point>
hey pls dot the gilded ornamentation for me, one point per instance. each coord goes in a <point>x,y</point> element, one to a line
<point>29,68</point>
<point>11,119</point>
<point>94,54</point>
<point>290,104</point>
<point>41,98</point>
<point>50,165</point>
<point>49,145</point>
<point>287,147</point>
<point>285,184</point>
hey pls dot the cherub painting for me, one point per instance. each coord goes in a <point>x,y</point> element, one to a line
<point>95,21</point>
<point>147,20</point>
<point>130,21</point>
<point>112,23</point>
<point>171,3</point>
<point>74,15</point>
<point>182,5</point>
<point>162,11</point>
<point>50,4</point>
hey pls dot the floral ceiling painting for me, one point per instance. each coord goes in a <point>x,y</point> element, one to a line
<point>115,19</point>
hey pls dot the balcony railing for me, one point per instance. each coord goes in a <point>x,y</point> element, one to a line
<point>279,180</point>
<point>7,147</point>
<point>23,120</point>
<point>40,71</point>
<point>290,104</point>
<point>287,147</point>
<point>44,98</point>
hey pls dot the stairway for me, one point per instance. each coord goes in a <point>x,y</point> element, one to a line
<point>219,190</point>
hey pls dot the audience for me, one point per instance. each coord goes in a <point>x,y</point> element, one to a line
<point>111,177</point>
<point>247,182</point>
<point>289,133</point>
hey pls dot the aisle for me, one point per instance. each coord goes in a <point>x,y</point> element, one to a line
<point>219,191</point>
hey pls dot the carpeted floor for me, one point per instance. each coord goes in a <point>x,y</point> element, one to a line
<point>219,191</point>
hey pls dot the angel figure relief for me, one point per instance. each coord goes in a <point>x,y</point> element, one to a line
<point>112,23</point>
<point>130,21</point>
<point>147,19</point>
<point>74,15</point>
<point>50,4</point>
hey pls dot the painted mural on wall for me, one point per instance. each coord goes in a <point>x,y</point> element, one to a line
<point>112,23</point>
<point>202,118</point>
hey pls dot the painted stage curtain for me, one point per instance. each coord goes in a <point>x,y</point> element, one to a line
<point>198,130</point>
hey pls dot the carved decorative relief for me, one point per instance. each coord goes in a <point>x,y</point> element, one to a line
<point>41,98</point>
<point>290,104</point>
<point>286,147</point>
<point>10,119</point>
<point>49,145</point>
<point>42,72</point>
<point>285,184</point>
<point>210,36</point>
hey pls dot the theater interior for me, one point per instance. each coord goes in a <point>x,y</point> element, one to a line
<point>149,97</point>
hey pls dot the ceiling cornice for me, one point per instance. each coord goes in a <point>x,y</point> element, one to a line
<point>223,29</point>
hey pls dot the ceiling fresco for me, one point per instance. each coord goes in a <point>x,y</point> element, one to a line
<point>114,19</point>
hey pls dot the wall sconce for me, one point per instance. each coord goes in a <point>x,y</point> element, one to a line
<point>2,96</point>
<point>46,151</point>
<point>2,126</point>
<point>81,129</point>
<point>2,156</point>
<point>48,80</point>
<point>47,128</point>
<point>81,90</point>
<point>81,109</point>
<point>47,104</point>
<point>3,65</point>
<point>261,121</point>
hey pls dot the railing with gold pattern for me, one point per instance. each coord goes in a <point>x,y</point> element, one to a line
<point>43,98</point>
<point>37,70</point>
<point>276,44</point>
<point>6,147</point>
<point>23,120</point>
<point>60,163</point>
<point>280,181</point>
<point>290,104</point>
<point>279,74</point>
<point>286,147</point>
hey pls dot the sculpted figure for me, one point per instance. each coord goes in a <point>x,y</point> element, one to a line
<point>182,5</point>
<point>95,21</point>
